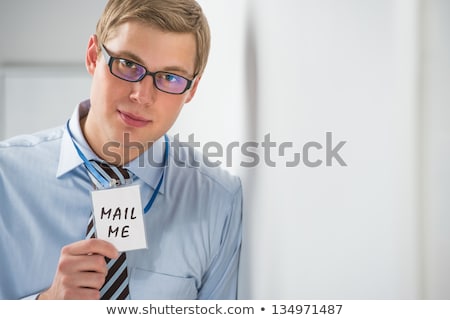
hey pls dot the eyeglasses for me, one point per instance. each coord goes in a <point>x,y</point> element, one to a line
<point>133,72</point>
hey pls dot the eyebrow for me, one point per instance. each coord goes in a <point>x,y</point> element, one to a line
<point>131,56</point>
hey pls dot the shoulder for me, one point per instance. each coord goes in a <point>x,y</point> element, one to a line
<point>31,148</point>
<point>194,170</point>
<point>33,140</point>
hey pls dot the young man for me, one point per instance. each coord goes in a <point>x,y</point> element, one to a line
<point>146,60</point>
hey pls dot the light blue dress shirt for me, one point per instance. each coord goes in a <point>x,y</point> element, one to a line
<point>193,229</point>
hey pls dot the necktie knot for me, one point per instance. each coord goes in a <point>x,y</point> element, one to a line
<point>114,175</point>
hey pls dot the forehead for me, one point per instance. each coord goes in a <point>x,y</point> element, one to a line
<point>154,48</point>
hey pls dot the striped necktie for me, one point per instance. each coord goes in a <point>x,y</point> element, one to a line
<point>116,282</point>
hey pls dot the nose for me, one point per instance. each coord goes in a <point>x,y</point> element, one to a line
<point>144,91</point>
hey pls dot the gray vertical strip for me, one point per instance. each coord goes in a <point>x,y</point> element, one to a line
<point>2,104</point>
<point>435,178</point>
<point>252,120</point>
<point>252,77</point>
<point>421,150</point>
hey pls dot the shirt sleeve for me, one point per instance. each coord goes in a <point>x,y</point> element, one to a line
<point>220,281</point>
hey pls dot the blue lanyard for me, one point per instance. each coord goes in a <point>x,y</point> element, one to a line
<point>105,183</point>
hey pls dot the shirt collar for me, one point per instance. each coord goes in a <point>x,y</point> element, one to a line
<point>148,166</point>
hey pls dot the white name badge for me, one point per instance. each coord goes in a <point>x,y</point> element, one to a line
<point>119,218</point>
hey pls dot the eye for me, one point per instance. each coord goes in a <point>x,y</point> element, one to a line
<point>171,78</point>
<point>128,64</point>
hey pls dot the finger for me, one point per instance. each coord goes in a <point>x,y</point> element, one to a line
<point>84,279</point>
<point>92,246</point>
<point>81,294</point>
<point>92,280</point>
<point>71,263</point>
<point>90,263</point>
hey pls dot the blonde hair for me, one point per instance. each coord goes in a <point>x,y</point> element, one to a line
<point>180,16</point>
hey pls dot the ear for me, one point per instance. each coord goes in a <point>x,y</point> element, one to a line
<point>92,54</point>
<point>193,89</point>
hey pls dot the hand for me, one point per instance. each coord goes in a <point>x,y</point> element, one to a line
<point>81,270</point>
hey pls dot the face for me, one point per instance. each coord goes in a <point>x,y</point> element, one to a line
<point>133,114</point>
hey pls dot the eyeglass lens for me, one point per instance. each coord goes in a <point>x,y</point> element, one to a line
<point>164,81</point>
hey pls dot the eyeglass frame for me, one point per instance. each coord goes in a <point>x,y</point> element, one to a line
<point>109,59</point>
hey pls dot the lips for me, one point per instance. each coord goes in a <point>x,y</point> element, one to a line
<point>133,120</point>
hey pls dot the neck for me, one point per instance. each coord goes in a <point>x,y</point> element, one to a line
<point>113,152</point>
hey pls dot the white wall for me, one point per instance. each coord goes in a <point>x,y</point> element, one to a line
<point>42,52</point>
<point>334,232</point>
<point>47,31</point>
<point>373,73</point>
<point>436,142</point>
<point>38,97</point>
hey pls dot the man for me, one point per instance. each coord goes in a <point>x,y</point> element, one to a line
<point>146,60</point>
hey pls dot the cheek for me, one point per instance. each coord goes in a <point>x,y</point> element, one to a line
<point>97,89</point>
<point>175,110</point>
<point>168,115</point>
<point>105,94</point>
